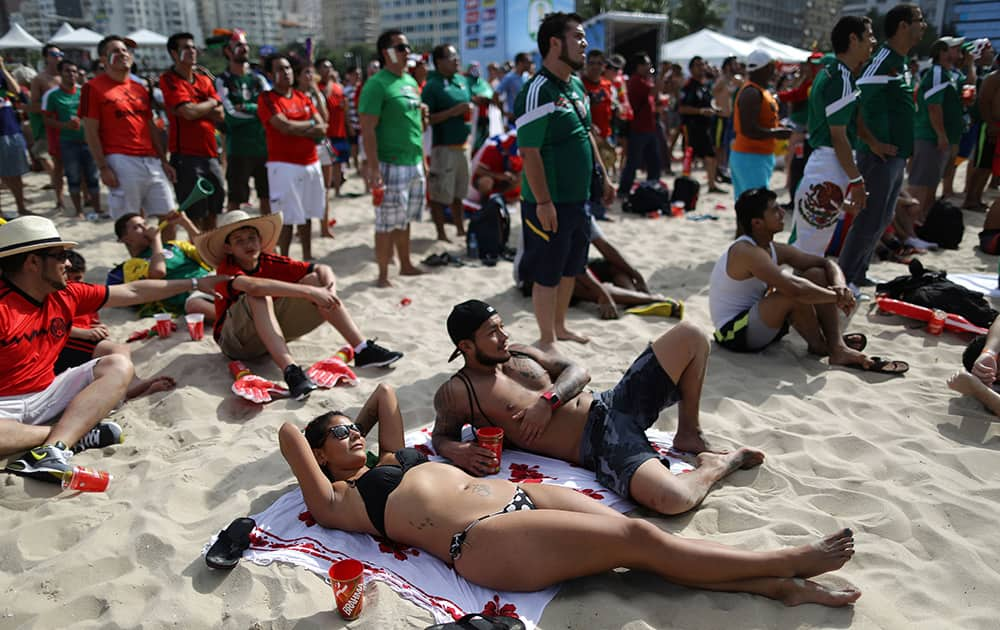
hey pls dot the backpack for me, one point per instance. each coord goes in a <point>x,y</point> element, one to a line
<point>686,189</point>
<point>489,230</point>
<point>647,197</point>
<point>930,288</point>
<point>944,225</point>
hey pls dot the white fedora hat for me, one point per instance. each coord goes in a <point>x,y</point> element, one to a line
<point>210,244</point>
<point>26,234</point>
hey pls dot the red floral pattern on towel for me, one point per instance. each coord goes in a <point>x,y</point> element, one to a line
<point>524,473</point>
<point>494,609</point>
<point>399,551</point>
<point>307,518</point>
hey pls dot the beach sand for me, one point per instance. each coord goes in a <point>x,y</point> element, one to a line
<point>910,466</point>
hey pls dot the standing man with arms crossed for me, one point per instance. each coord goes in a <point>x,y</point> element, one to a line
<point>887,113</point>
<point>392,125</point>
<point>559,151</point>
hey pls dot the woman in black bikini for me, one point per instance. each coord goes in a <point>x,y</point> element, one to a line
<point>522,538</point>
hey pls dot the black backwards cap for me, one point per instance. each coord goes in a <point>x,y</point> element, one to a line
<point>465,320</point>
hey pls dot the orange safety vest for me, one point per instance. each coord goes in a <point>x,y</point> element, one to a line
<point>767,118</point>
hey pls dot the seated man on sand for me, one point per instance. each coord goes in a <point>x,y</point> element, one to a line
<point>173,260</point>
<point>753,301</point>
<point>539,401</point>
<point>272,298</point>
<point>979,379</point>
<point>37,307</point>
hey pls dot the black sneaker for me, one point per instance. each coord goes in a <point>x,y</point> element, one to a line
<point>375,355</point>
<point>104,434</point>
<point>299,385</point>
<point>44,463</point>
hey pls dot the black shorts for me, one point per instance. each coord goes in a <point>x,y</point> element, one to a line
<point>983,149</point>
<point>699,137</point>
<point>989,241</point>
<point>602,269</point>
<point>239,170</point>
<point>191,167</point>
<point>551,256</point>
<point>614,442</point>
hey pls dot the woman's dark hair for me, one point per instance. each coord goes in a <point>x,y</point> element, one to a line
<point>751,205</point>
<point>972,352</point>
<point>317,430</point>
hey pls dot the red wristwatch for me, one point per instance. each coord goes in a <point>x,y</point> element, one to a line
<point>553,399</point>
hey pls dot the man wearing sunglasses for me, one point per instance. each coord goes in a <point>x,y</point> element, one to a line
<point>392,124</point>
<point>37,307</point>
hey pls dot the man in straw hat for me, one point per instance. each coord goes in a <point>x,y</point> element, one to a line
<point>271,298</point>
<point>37,307</point>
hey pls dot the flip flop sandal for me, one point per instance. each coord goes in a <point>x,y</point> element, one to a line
<point>883,366</point>
<point>228,548</point>
<point>856,341</point>
<point>435,260</point>
<point>475,621</point>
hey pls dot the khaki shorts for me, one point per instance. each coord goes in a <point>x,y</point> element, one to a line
<point>449,174</point>
<point>40,149</point>
<point>42,407</point>
<point>239,338</point>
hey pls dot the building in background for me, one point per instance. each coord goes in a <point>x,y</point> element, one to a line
<point>350,22</point>
<point>781,20</point>
<point>938,13</point>
<point>425,22</point>
<point>977,18</point>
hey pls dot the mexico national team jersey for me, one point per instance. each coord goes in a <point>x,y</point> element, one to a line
<point>554,117</point>
<point>33,333</point>
<point>833,102</point>
<point>940,86</point>
<point>269,266</point>
<point>887,99</point>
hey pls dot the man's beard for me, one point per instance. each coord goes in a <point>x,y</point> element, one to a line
<point>490,361</point>
<point>575,65</point>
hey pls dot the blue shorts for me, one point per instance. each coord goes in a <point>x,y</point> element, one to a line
<point>750,170</point>
<point>342,150</point>
<point>551,256</point>
<point>614,442</point>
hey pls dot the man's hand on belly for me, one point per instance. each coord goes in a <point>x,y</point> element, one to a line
<point>533,420</point>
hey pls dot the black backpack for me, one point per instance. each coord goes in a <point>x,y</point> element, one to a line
<point>490,226</point>
<point>945,225</point>
<point>648,197</point>
<point>930,288</point>
<point>686,189</point>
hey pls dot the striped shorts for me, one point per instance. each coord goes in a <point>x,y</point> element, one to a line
<point>404,196</point>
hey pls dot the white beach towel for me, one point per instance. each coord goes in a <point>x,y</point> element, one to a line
<point>985,283</point>
<point>285,532</point>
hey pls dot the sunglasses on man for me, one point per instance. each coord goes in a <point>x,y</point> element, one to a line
<point>61,256</point>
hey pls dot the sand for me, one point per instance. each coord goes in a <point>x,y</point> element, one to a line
<point>912,467</point>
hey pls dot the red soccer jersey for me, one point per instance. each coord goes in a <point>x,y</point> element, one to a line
<point>34,333</point>
<point>640,96</point>
<point>501,158</point>
<point>336,106</point>
<point>282,147</point>
<point>123,111</point>
<point>601,97</point>
<point>189,137</point>
<point>269,266</point>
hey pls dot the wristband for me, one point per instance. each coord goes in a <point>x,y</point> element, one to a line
<point>552,398</point>
<point>992,353</point>
<point>194,284</point>
<point>860,179</point>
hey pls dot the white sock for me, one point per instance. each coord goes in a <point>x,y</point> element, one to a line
<point>361,346</point>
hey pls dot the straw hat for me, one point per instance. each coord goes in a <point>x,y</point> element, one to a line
<point>210,245</point>
<point>26,234</point>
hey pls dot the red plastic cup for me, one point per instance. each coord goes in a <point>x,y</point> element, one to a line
<point>163,324</point>
<point>492,439</point>
<point>196,325</point>
<point>378,195</point>
<point>347,578</point>
<point>86,480</point>
<point>677,208</point>
<point>935,325</point>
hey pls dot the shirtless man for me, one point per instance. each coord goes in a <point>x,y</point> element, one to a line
<point>46,143</point>
<point>538,399</point>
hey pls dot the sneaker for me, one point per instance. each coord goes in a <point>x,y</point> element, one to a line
<point>299,385</point>
<point>44,463</point>
<point>920,243</point>
<point>375,355</point>
<point>104,434</point>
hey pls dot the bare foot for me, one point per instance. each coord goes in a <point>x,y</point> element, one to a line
<point>410,270</point>
<point>569,335</point>
<point>144,386</point>
<point>847,356</point>
<point>965,383</point>
<point>383,283</point>
<point>796,591</point>
<point>728,463</point>
<point>326,234</point>
<point>827,554</point>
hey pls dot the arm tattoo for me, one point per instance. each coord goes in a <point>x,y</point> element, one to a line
<point>449,420</point>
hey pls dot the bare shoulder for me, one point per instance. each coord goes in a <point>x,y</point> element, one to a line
<point>451,410</point>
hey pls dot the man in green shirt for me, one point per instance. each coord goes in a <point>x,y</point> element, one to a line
<point>887,113</point>
<point>831,175</point>
<point>246,149</point>
<point>559,152</point>
<point>392,125</point>
<point>60,105</point>
<point>449,103</point>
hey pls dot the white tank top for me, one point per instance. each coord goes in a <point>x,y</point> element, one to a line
<point>727,297</point>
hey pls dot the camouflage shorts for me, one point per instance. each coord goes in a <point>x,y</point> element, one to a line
<point>614,441</point>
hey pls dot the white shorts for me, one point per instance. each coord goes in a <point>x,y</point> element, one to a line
<point>41,407</point>
<point>297,191</point>
<point>404,196</point>
<point>142,186</point>
<point>819,201</point>
<point>325,152</point>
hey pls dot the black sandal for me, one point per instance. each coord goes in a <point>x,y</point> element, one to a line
<point>228,548</point>
<point>475,621</point>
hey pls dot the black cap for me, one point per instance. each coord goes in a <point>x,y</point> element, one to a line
<point>465,320</point>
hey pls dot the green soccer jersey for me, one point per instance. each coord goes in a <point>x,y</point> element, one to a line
<point>442,93</point>
<point>244,131</point>
<point>554,117</point>
<point>833,102</point>
<point>396,102</point>
<point>182,261</point>
<point>63,105</point>
<point>940,86</point>
<point>887,100</point>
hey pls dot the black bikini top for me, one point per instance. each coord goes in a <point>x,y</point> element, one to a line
<point>377,484</point>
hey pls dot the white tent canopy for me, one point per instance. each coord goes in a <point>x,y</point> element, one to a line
<point>706,43</point>
<point>17,37</point>
<point>146,37</point>
<point>65,29</point>
<point>80,38</point>
<point>781,52</point>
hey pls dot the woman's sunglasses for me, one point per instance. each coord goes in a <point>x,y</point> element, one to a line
<point>343,431</point>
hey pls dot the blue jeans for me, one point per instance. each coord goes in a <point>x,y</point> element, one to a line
<point>78,163</point>
<point>643,147</point>
<point>883,181</point>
